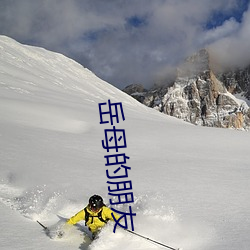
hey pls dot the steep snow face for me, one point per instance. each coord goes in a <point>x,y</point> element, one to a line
<point>191,184</point>
<point>37,74</point>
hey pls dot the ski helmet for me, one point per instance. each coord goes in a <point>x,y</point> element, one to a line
<point>95,202</point>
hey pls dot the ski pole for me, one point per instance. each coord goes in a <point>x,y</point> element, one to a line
<point>159,243</point>
<point>45,228</point>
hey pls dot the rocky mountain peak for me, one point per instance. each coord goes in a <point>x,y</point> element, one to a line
<point>196,64</point>
<point>200,96</point>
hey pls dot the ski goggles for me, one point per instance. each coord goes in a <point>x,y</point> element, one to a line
<point>94,208</point>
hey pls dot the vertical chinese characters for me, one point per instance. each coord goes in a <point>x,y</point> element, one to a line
<point>114,141</point>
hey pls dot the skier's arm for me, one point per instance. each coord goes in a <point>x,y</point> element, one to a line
<point>108,214</point>
<point>77,217</point>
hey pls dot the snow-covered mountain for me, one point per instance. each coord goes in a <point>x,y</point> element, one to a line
<point>201,95</point>
<point>191,184</point>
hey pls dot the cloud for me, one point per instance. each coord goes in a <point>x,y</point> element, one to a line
<point>233,49</point>
<point>228,28</point>
<point>121,41</point>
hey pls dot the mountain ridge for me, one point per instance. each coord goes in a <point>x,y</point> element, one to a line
<point>201,95</point>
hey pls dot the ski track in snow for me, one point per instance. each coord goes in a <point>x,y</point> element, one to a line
<point>152,216</point>
<point>32,204</point>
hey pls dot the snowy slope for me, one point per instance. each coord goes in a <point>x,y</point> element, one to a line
<point>191,184</point>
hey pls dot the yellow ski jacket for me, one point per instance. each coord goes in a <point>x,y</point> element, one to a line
<point>93,223</point>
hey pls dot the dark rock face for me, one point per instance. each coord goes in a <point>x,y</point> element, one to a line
<point>237,81</point>
<point>137,91</point>
<point>201,97</point>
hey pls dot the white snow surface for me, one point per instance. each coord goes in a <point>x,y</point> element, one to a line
<point>191,184</point>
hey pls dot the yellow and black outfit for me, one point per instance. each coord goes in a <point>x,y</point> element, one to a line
<point>93,220</point>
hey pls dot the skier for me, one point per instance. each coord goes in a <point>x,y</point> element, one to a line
<point>95,214</point>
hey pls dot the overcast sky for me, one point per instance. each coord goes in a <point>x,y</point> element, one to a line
<point>131,41</point>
